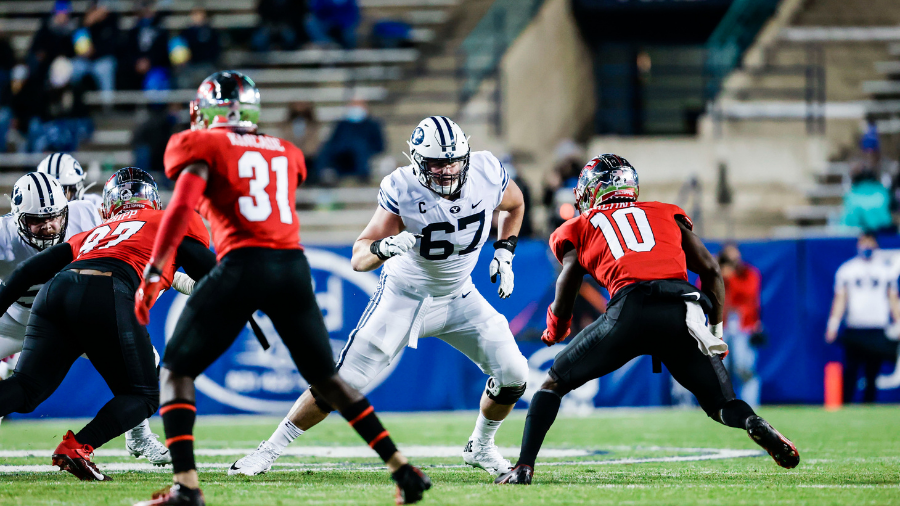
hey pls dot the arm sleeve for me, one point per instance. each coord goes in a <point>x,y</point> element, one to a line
<point>388,196</point>
<point>682,216</point>
<point>840,278</point>
<point>34,271</point>
<point>195,257</point>
<point>178,217</point>
<point>495,172</point>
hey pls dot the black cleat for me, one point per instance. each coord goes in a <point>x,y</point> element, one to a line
<point>411,484</point>
<point>779,447</point>
<point>519,475</point>
<point>176,495</point>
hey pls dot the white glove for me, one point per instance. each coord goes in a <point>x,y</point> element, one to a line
<point>502,265</point>
<point>395,245</point>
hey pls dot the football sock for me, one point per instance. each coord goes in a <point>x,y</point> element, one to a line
<point>541,415</point>
<point>735,414</point>
<point>284,434</point>
<point>120,414</point>
<point>485,429</point>
<point>178,420</point>
<point>361,416</point>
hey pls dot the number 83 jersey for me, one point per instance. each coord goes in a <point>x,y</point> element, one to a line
<point>452,231</point>
<point>620,244</point>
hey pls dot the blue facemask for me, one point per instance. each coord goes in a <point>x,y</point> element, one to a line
<point>866,252</point>
<point>355,114</point>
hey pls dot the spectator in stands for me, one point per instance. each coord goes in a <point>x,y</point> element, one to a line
<point>145,57</point>
<point>7,63</point>
<point>96,43</point>
<point>333,22</point>
<point>865,290</point>
<point>53,39</point>
<point>867,204</point>
<point>557,194</point>
<point>281,22</point>
<point>302,129</point>
<point>151,136</point>
<point>354,141</point>
<point>743,327</point>
<point>27,100</point>
<point>203,50</point>
<point>64,121</point>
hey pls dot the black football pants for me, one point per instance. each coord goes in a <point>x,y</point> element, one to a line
<point>276,282</point>
<point>641,324</point>
<point>76,314</point>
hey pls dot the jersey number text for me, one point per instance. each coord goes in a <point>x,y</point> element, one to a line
<point>444,247</point>
<point>257,206</point>
<point>122,232</point>
<point>646,241</point>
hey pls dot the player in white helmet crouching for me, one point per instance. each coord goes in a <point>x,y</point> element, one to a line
<point>433,218</point>
<point>65,168</point>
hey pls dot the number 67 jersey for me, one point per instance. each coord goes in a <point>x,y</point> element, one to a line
<point>251,191</point>
<point>620,244</point>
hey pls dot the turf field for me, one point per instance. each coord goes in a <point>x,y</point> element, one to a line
<point>611,457</point>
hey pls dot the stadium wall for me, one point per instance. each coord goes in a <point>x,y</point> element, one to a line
<point>798,279</point>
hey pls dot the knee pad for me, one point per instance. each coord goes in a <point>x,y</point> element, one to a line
<point>503,395</point>
<point>320,402</point>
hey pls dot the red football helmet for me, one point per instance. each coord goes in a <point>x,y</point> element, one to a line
<point>605,179</point>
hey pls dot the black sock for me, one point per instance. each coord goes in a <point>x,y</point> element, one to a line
<point>121,413</point>
<point>178,420</point>
<point>735,414</point>
<point>361,416</point>
<point>541,415</point>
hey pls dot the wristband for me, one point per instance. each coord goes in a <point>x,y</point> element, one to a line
<point>508,243</point>
<point>716,330</point>
<point>375,249</point>
<point>557,327</point>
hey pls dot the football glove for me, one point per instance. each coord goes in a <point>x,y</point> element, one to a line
<point>147,293</point>
<point>393,245</point>
<point>556,330</point>
<point>502,265</point>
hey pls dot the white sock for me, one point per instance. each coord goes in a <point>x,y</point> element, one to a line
<point>485,429</point>
<point>284,434</point>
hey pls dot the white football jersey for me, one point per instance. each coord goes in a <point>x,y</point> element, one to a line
<point>453,231</point>
<point>14,250</point>
<point>93,198</point>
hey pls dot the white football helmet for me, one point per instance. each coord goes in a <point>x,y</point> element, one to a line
<point>67,170</point>
<point>36,198</point>
<point>439,139</point>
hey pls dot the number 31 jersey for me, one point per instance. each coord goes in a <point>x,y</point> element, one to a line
<point>128,236</point>
<point>453,231</point>
<point>620,244</point>
<point>250,196</point>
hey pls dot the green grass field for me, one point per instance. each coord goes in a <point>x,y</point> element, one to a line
<point>847,457</point>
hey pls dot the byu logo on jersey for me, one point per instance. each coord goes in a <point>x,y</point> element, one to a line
<point>418,136</point>
<point>454,209</point>
<point>251,379</point>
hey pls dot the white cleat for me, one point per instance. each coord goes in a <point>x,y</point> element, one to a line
<point>140,442</point>
<point>485,456</point>
<point>258,462</point>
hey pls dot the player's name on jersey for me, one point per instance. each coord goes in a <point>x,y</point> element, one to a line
<point>255,141</point>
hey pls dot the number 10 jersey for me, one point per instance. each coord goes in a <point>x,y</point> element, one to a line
<point>620,244</point>
<point>250,196</point>
<point>452,231</point>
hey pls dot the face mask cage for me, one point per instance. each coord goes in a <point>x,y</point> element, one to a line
<point>73,191</point>
<point>43,242</point>
<point>445,185</point>
<point>129,195</point>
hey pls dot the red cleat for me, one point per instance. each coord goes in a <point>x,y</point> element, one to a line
<point>176,495</point>
<point>75,458</point>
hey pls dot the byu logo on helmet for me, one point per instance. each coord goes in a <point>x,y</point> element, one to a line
<point>418,136</point>
<point>17,196</point>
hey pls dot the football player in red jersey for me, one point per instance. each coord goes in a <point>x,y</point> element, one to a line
<point>639,251</point>
<point>87,308</point>
<point>245,184</point>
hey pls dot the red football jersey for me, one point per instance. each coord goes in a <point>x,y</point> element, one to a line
<point>620,244</point>
<point>129,236</point>
<point>250,196</point>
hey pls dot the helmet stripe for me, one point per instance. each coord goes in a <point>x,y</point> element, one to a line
<point>441,133</point>
<point>58,162</point>
<point>449,129</point>
<point>40,190</point>
<point>49,187</point>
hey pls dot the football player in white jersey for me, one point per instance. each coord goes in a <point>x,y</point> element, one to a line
<point>42,217</point>
<point>433,218</point>
<point>66,169</point>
